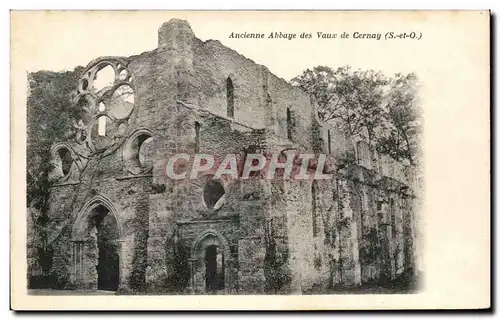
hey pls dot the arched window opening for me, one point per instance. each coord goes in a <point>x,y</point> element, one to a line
<point>197,127</point>
<point>139,149</point>
<point>379,205</point>
<point>145,151</point>
<point>392,213</point>
<point>102,132</point>
<point>315,226</point>
<point>329,142</point>
<point>230,97</point>
<point>288,124</point>
<point>103,78</point>
<point>66,160</point>
<point>139,152</point>
<point>213,192</point>
<point>101,129</point>
<point>123,75</point>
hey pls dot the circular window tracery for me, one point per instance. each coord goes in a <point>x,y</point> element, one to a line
<point>138,152</point>
<point>106,102</point>
<point>145,153</point>
<point>121,102</point>
<point>85,84</point>
<point>122,128</point>
<point>103,77</point>
<point>123,75</point>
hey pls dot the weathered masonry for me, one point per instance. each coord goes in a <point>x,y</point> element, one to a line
<point>120,225</point>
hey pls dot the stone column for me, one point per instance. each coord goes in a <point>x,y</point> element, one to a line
<point>119,244</point>
<point>89,260</point>
<point>77,267</point>
<point>126,252</point>
<point>387,265</point>
<point>229,272</point>
<point>191,262</point>
<point>408,235</point>
<point>349,239</point>
<point>385,238</point>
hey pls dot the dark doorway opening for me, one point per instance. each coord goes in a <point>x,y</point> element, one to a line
<point>108,267</point>
<point>108,272</point>
<point>214,269</point>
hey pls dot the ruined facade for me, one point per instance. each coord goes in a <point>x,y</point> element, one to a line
<point>119,224</point>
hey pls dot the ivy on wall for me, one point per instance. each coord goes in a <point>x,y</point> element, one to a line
<point>49,114</point>
<point>178,255</point>
<point>275,263</point>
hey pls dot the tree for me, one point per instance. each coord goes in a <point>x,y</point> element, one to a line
<point>49,113</point>
<point>401,132</point>
<point>347,98</point>
<point>384,111</point>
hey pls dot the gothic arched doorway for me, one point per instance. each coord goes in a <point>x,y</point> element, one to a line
<point>210,257</point>
<point>96,249</point>
<point>214,268</point>
<point>108,262</point>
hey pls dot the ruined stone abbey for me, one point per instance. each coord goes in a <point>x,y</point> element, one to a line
<point>118,224</point>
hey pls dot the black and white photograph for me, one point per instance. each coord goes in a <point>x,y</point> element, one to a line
<point>264,154</point>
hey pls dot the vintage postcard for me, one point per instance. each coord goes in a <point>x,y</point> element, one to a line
<point>253,160</point>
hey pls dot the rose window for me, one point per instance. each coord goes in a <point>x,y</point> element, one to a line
<point>105,104</point>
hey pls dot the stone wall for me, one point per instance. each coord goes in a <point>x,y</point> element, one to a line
<point>362,233</point>
<point>278,236</point>
<point>129,198</point>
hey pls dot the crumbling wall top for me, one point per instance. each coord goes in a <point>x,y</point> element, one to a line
<point>175,33</point>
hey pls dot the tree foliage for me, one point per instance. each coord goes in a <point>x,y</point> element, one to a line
<point>49,114</point>
<point>382,110</point>
<point>402,128</point>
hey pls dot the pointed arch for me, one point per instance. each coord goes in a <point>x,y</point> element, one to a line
<point>63,157</point>
<point>94,202</point>
<point>208,233</point>
<point>210,250</point>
